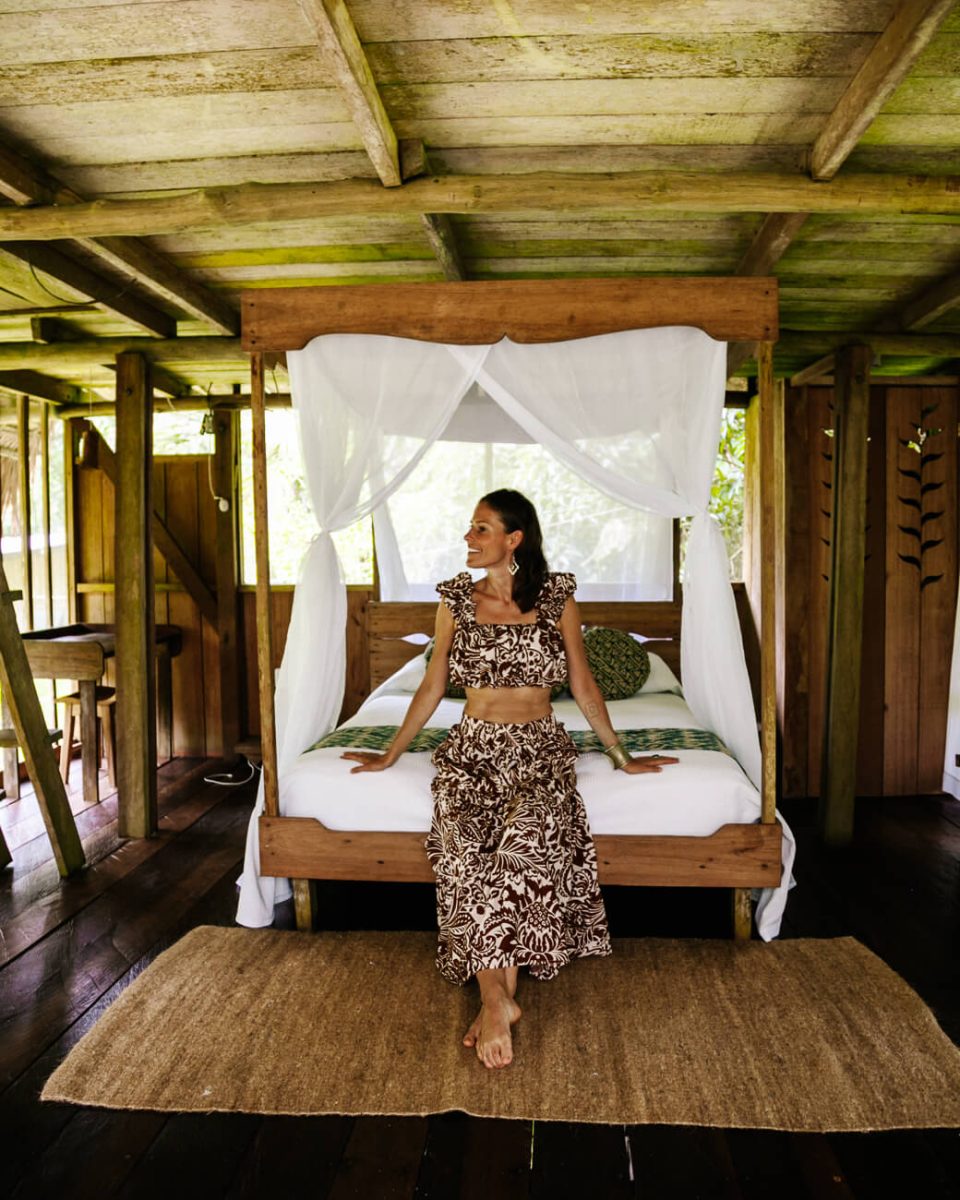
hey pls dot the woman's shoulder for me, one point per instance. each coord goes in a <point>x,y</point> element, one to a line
<point>457,589</point>
<point>558,587</point>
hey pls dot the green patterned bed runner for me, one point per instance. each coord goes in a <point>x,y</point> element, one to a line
<point>637,741</point>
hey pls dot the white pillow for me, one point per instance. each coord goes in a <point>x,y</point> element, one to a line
<point>661,678</point>
<point>407,679</point>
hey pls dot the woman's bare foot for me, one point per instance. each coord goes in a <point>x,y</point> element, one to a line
<point>493,1041</point>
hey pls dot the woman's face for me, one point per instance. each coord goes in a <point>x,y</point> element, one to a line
<point>488,543</point>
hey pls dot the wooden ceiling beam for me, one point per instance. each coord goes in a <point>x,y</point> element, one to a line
<point>101,351</point>
<point>550,193</point>
<point>771,242</point>
<point>27,184</point>
<point>344,59</point>
<point>932,303</point>
<point>894,345</point>
<point>815,371</point>
<point>41,387</point>
<point>109,294</point>
<point>896,50</point>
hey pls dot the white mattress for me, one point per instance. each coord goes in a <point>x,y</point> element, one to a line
<point>707,789</point>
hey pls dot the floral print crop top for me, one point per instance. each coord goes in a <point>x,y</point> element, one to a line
<point>516,655</point>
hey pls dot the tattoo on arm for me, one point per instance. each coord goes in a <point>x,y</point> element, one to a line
<point>591,710</point>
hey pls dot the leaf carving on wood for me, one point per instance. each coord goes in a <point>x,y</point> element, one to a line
<point>910,474</point>
<point>931,487</point>
<point>931,516</point>
<point>929,458</point>
<point>911,559</point>
<point>929,544</point>
<point>910,502</point>
<point>911,530</point>
<point>927,579</point>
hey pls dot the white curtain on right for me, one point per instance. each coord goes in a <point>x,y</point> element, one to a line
<point>638,414</point>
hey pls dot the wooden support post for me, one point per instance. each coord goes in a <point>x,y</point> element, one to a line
<point>69,512</point>
<point>226,442</point>
<point>305,903</point>
<point>23,473</point>
<point>136,663</point>
<point>268,729</point>
<point>46,557</point>
<point>742,914</point>
<point>770,396</point>
<point>845,628</point>
<point>20,692</point>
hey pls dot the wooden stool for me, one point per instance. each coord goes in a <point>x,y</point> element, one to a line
<point>106,714</point>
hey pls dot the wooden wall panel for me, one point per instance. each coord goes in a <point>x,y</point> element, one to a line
<point>938,577</point>
<point>188,678</point>
<point>912,536</point>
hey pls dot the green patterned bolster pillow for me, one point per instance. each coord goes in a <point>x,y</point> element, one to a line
<point>637,741</point>
<point>619,664</point>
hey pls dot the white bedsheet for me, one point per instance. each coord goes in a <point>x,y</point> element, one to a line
<point>706,790</point>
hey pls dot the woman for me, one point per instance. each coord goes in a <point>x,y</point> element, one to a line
<point>509,844</point>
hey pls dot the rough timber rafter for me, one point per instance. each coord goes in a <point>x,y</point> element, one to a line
<point>27,355</point>
<point>25,183</point>
<point>547,192</point>
<point>111,295</point>
<point>345,60</point>
<point>898,47</point>
<point>932,303</point>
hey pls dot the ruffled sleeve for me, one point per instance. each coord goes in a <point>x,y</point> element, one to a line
<point>456,592</point>
<point>559,586</point>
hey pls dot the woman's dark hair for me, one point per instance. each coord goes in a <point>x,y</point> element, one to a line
<point>516,512</point>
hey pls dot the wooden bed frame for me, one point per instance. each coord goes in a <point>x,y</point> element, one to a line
<point>738,856</point>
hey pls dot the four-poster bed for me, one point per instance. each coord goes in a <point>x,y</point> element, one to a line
<point>742,855</point>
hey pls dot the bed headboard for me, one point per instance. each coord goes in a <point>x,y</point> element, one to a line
<point>388,623</point>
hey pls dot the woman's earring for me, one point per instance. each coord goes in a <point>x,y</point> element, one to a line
<point>514,566</point>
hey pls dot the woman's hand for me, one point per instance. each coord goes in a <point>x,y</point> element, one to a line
<point>368,761</point>
<point>650,764</point>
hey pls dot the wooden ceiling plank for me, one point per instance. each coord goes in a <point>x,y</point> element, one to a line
<point>932,303</point>
<point>106,292</point>
<point>26,184</point>
<point>345,59</point>
<point>911,28</point>
<point>536,193</point>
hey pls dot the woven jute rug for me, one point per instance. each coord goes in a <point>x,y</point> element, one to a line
<point>803,1035</point>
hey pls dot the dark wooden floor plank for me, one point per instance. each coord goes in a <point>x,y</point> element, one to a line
<point>764,1166</point>
<point>674,1162</point>
<point>496,1159</point>
<point>31,1127</point>
<point>292,1156</point>
<point>56,981</point>
<point>580,1159</point>
<point>381,1158</point>
<point>196,1153</point>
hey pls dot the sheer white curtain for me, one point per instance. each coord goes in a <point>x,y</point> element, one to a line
<point>638,414</point>
<point>367,407</point>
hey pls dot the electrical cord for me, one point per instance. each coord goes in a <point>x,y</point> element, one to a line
<point>225,780</point>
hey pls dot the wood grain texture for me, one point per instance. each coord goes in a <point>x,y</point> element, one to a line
<point>226,475</point>
<point>539,192</point>
<point>845,631</point>
<point>265,660</point>
<point>770,453</point>
<point>346,64</point>
<point>526,311</point>
<point>20,698</point>
<point>910,31</point>
<point>136,668</point>
<point>795,679</point>
<point>735,856</point>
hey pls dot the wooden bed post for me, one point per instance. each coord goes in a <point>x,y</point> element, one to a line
<point>838,782</point>
<point>770,400</point>
<point>303,889</point>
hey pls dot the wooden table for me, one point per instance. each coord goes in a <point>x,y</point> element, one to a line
<point>80,652</point>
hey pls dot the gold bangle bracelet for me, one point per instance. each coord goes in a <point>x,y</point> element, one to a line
<point>617,753</point>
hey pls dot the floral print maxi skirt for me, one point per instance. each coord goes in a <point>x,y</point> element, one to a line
<point>511,850</point>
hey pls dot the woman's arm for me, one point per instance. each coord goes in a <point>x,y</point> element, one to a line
<point>425,700</point>
<point>584,690</point>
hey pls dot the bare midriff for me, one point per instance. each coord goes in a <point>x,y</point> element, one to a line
<point>508,706</point>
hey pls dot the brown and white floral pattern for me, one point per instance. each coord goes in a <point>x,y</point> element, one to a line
<point>518,655</point>
<point>511,850</point>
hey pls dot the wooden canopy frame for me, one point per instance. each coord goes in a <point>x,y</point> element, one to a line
<point>739,309</point>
